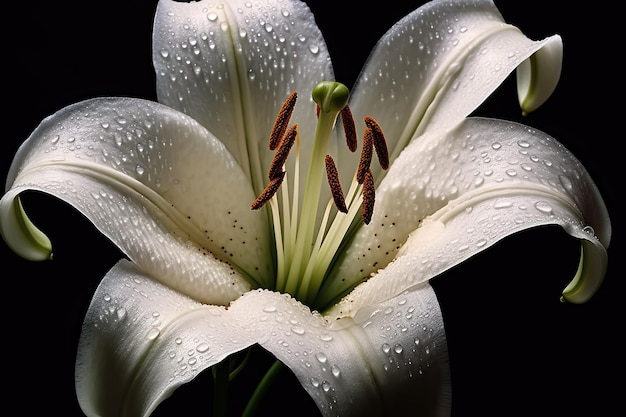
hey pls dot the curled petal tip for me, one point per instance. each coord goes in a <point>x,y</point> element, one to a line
<point>538,76</point>
<point>589,276</point>
<point>21,234</point>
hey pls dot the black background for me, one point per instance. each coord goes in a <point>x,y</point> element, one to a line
<point>514,348</point>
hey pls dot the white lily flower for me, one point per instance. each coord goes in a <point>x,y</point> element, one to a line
<point>340,296</point>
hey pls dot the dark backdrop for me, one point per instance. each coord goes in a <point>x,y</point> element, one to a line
<point>514,348</point>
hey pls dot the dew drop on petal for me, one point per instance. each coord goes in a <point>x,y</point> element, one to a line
<point>153,333</point>
<point>298,330</point>
<point>269,309</point>
<point>321,357</point>
<point>202,347</point>
<point>543,206</point>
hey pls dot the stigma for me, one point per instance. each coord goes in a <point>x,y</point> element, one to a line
<point>303,254</point>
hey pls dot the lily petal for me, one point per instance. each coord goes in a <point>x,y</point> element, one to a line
<point>387,359</point>
<point>538,76</point>
<point>230,65</point>
<point>141,340</point>
<point>463,51</point>
<point>502,178</point>
<point>155,182</point>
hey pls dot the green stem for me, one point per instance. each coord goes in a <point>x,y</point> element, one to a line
<point>221,372</point>
<point>261,389</point>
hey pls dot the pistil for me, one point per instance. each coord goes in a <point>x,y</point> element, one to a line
<point>304,255</point>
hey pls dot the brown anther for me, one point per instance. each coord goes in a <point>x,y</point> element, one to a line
<point>366,154</point>
<point>380,144</point>
<point>335,185</point>
<point>268,192</point>
<point>282,120</point>
<point>369,196</point>
<point>349,129</point>
<point>282,152</point>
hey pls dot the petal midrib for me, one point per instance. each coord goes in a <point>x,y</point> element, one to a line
<point>426,106</point>
<point>247,147</point>
<point>470,199</point>
<point>173,220</point>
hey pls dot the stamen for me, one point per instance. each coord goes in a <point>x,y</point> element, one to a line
<point>369,196</point>
<point>366,155</point>
<point>269,191</point>
<point>380,144</point>
<point>282,152</point>
<point>282,120</point>
<point>349,128</point>
<point>335,185</point>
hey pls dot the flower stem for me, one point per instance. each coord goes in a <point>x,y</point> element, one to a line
<point>221,372</point>
<point>261,389</point>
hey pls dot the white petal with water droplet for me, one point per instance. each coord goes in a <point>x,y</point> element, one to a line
<point>431,197</point>
<point>185,217</point>
<point>134,362</point>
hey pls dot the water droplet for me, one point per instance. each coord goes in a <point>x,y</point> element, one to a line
<point>212,16</point>
<point>315,382</point>
<point>590,230</point>
<point>501,204</point>
<point>251,74</point>
<point>386,348</point>
<point>269,309</point>
<point>335,370</point>
<point>139,170</point>
<point>326,337</point>
<point>543,206</point>
<point>153,333</point>
<point>397,348</point>
<point>314,49</point>
<point>321,357</point>
<point>202,347</point>
<point>496,145</point>
<point>298,330</point>
<point>566,182</point>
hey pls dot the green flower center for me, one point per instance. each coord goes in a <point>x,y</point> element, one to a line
<point>304,254</point>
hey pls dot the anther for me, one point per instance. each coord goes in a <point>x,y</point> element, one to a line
<point>282,152</point>
<point>380,144</point>
<point>335,185</point>
<point>282,120</point>
<point>349,129</point>
<point>269,191</point>
<point>369,196</point>
<point>366,155</point>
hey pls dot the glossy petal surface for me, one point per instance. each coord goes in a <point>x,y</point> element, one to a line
<point>158,184</point>
<point>505,178</point>
<point>438,64</point>
<point>230,65</point>
<point>141,340</point>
